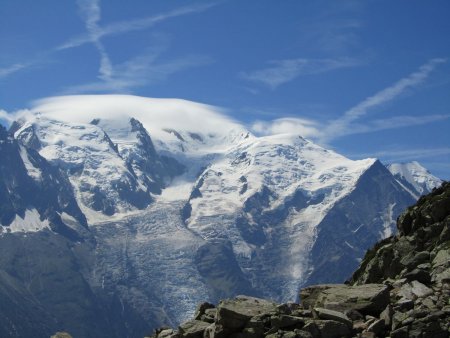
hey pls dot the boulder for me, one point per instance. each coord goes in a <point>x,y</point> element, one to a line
<point>367,299</point>
<point>332,329</point>
<point>377,327</point>
<point>333,315</point>
<point>193,329</point>
<point>420,290</point>
<point>442,257</point>
<point>286,321</point>
<point>201,309</point>
<point>234,314</point>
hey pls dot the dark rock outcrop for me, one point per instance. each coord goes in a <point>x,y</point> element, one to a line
<point>401,289</point>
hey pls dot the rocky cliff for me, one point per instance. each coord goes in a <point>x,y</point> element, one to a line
<point>401,289</point>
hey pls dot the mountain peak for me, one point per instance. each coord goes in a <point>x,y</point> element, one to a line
<point>414,177</point>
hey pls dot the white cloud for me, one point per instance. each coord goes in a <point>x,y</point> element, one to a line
<point>283,71</point>
<point>155,114</point>
<point>342,125</point>
<point>303,127</point>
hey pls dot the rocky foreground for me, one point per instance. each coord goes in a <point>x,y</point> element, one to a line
<point>401,289</point>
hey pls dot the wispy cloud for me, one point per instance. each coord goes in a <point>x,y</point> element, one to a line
<point>392,123</point>
<point>314,129</point>
<point>6,71</point>
<point>138,71</point>
<point>134,24</point>
<point>91,13</point>
<point>283,71</point>
<point>340,126</point>
<point>405,154</point>
<point>350,122</point>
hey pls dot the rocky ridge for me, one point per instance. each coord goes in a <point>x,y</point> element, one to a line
<point>401,289</point>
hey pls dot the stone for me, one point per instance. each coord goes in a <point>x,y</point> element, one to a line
<point>404,304</point>
<point>411,261</point>
<point>405,292</point>
<point>368,334</point>
<point>420,290</point>
<point>367,298</point>
<point>233,314</point>
<point>397,319</point>
<point>386,315</point>
<point>419,275</point>
<point>201,308</point>
<point>193,329</point>
<point>359,326</point>
<point>286,321</point>
<point>166,333</point>
<point>333,315</point>
<point>400,333</point>
<point>215,331</point>
<point>442,277</point>
<point>312,328</point>
<point>354,315</point>
<point>332,329</point>
<point>377,327</point>
<point>429,303</point>
<point>303,334</point>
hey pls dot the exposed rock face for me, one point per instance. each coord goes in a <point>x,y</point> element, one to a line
<point>402,289</point>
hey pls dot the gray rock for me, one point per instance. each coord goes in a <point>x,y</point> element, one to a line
<point>303,334</point>
<point>333,315</point>
<point>193,329</point>
<point>404,304</point>
<point>442,258</point>
<point>286,321</point>
<point>405,292</point>
<point>419,275</point>
<point>233,314</point>
<point>420,290</point>
<point>201,309</point>
<point>368,334</point>
<point>376,327</point>
<point>400,333</point>
<point>442,277</point>
<point>332,329</point>
<point>386,315</point>
<point>397,319</point>
<point>166,333</point>
<point>367,299</point>
<point>359,326</point>
<point>312,328</point>
<point>215,331</point>
<point>411,261</point>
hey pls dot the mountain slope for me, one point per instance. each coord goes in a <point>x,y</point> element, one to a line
<point>157,219</point>
<point>401,289</point>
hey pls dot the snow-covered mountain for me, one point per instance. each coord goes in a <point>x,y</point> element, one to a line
<point>147,220</point>
<point>414,177</point>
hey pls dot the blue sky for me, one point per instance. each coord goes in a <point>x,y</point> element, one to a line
<point>366,78</point>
